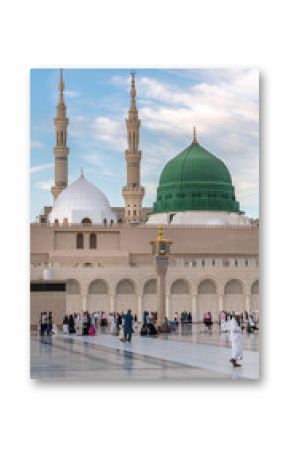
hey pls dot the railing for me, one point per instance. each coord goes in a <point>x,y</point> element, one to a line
<point>144,226</point>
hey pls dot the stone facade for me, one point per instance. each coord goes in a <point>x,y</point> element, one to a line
<point>210,268</point>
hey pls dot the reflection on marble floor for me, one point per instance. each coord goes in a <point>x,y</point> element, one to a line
<point>188,353</point>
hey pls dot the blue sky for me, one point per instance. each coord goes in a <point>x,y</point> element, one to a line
<point>223,104</point>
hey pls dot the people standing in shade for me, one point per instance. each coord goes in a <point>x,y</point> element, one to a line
<point>65,324</point>
<point>71,324</point>
<point>85,324</point>
<point>49,323</point>
<point>207,320</point>
<point>128,325</point>
<point>43,323</point>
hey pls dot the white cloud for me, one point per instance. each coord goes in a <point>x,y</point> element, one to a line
<point>212,108</point>
<point>35,144</point>
<point>72,94</point>
<point>101,163</point>
<point>110,130</point>
<point>45,185</point>
<point>38,168</point>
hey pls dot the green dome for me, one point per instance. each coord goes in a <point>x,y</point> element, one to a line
<point>195,180</point>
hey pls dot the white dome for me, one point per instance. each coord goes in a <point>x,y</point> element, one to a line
<point>81,200</point>
<point>217,218</point>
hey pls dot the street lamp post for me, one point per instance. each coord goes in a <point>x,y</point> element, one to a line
<point>161,249</point>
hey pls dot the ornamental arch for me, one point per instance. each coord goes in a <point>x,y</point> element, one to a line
<point>98,296</point>
<point>254,299</point>
<point>73,296</point>
<point>234,297</point>
<point>179,299</point>
<point>73,287</point>
<point>207,299</point>
<point>150,296</point>
<point>98,287</point>
<point>126,296</point>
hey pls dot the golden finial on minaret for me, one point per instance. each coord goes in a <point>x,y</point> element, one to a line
<point>194,135</point>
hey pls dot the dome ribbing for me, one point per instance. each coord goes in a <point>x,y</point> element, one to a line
<point>195,180</point>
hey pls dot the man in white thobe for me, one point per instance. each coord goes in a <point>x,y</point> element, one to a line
<point>236,337</point>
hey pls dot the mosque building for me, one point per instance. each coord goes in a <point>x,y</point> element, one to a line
<point>87,255</point>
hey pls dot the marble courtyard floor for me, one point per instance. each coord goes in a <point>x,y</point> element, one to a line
<point>189,353</point>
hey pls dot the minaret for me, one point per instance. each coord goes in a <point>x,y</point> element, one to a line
<point>60,151</point>
<point>133,193</point>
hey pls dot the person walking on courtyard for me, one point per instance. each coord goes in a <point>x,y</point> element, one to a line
<point>65,324</point>
<point>128,325</point>
<point>71,324</point>
<point>49,323</point>
<point>236,337</point>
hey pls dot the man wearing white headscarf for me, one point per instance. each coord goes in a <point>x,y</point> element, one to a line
<point>236,337</point>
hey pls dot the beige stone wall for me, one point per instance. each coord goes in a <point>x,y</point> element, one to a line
<point>205,303</point>
<point>179,303</point>
<point>99,302</point>
<point>236,303</point>
<point>254,303</point>
<point>54,302</point>
<point>149,303</point>
<point>125,302</point>
<point>73,304</point>
<point>187,240</point>
<point>200,255</point>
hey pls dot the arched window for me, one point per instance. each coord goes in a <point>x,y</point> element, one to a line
<point>72,287</point>
<point>93,241</point>
<point>180,287</point>
<point>80,241</point>
<point>125,287</point>
<point>206,287</point>
<point>255,288</point>
<point>150,288</point>
<point>98,287</point>
<point>233,287</point>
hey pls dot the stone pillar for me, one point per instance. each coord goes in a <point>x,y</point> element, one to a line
<point>84,303</point>
<point>112,303</point>
<point>161,272</point>
<point>248,303</point>
<point>139,313</point>
<point>194,307</point>
<point>167,299</point>
<point>221,303</point>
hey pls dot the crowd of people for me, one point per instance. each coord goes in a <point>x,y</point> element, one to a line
<point>46,326</point>
<point>124,325</point>
<point>86,323</point>
<point>247,320</point>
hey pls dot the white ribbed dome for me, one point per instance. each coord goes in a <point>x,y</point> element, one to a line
<point>81,200</point>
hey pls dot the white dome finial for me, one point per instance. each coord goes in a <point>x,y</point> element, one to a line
<point>82,173</point>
